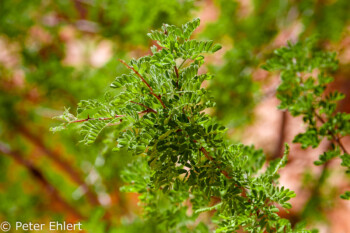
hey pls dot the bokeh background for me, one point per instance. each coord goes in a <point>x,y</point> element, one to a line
<point>54,53</point>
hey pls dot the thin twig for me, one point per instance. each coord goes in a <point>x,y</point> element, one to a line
<point>225,173</point>
<point>335,137</point>
<point>100,119</point>
<point>110,118</point>
<point>144,81</point>
<point>177,75</point>
<point>152,110</point>
<point>182,63</point>
<point>208,156</point>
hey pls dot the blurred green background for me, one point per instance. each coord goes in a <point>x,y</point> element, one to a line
<point>55,53</point>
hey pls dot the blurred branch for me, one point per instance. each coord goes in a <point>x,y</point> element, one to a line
<point>279,146</point>
<point>38,175</point>
<point>80,8</point>
<point>57,158</point>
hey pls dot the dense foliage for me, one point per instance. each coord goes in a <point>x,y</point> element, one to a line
<point>181,151</point>
<point>55,53</point>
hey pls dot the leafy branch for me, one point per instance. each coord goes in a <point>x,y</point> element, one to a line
<point>180,152</point>
<point>305,75</point>
<point>145,82</point>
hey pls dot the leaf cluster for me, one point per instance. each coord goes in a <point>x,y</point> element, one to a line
<point>305,76</point>
<point>181,154</point>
